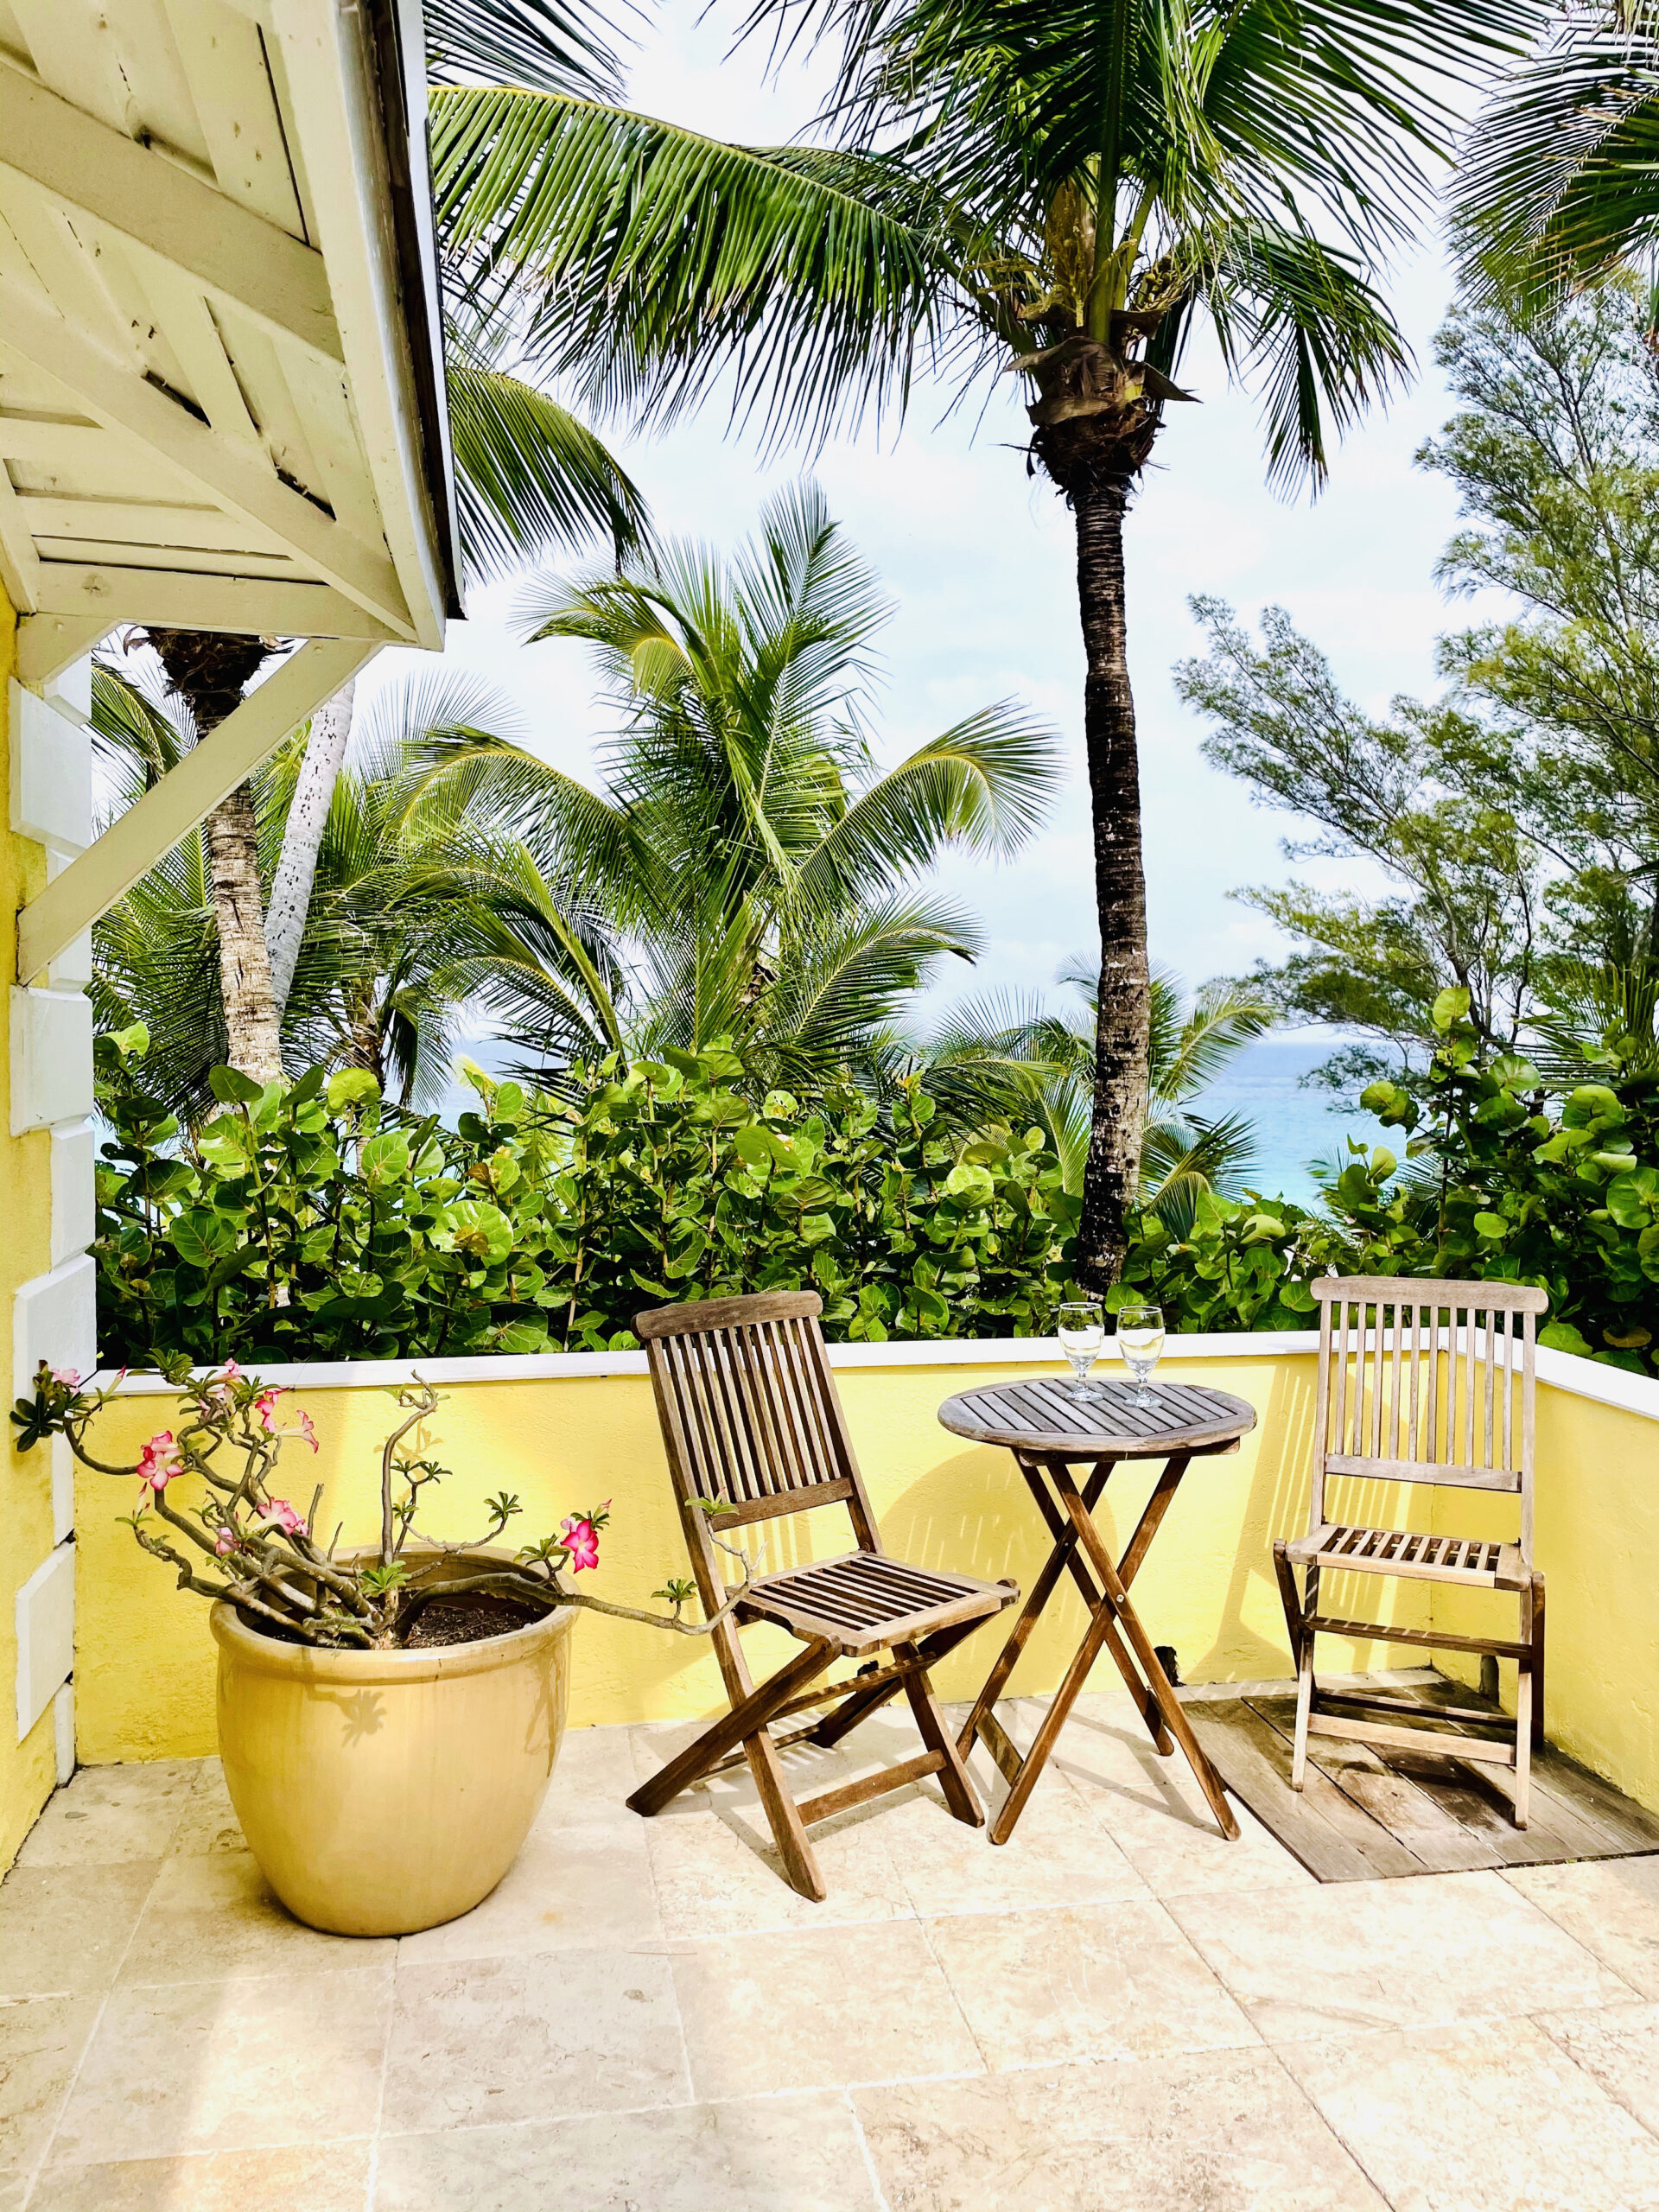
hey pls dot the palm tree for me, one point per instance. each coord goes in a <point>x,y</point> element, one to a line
<point>1560,177</point>
<point>1010,1060</point>
<point>746,872</point>
<point>379,978</point>
<point>1061,188</point>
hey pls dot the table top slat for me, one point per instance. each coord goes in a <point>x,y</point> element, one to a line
<point>1040,1415</point>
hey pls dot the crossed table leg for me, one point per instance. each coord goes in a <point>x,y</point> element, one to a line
<point>1113,1626</point>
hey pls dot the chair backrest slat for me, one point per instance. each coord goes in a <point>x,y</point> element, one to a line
<point>1450,1387</point>
<point>750,1411</point>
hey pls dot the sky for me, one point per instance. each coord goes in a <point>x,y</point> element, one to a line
<point>978,558</point>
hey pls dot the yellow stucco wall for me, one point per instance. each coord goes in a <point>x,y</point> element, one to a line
<point>145,1663</point>
<point>1597,1539</point>
<point>28,1770</point>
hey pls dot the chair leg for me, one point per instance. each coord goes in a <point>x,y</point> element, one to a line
<point>1528,1699</point>
<point>959,1792</point>
<point>859,1705</point>
<point>1537,1640</point>
<point>743,1724</point>
<point>1302,1647</point>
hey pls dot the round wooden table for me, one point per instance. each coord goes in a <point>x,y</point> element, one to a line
<point>1050,1428</point>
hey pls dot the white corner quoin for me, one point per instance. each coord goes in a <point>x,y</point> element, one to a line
<point>222,407</point>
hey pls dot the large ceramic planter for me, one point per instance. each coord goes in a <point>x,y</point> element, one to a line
<point>385,1791</point>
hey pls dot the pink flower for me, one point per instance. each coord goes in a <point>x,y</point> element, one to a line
<point>159,1461</point>
<point>225,1542</point>
<point>69,1376</point>
<point>264,1409</point>
<point>581,1544</point>
<point>307,1431</point>
<point>279,1514</point>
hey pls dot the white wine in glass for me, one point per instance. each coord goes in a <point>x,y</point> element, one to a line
<point>1082,1327</point>
<point>1140,1345</point>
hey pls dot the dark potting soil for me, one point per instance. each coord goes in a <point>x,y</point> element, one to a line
<point>472,1619</point>
<point>467,1619</point>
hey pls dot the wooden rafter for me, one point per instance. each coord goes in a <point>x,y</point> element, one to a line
<point>224,470</point>
<point>157,206</point>
<point>184,599</point>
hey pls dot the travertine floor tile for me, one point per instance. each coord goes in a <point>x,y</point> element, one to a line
<point>569,1889</point>
<point>1057,1855</point>
<point>1415,1953</point>
<point>108,1815</point>
<point>718,1872</point>
<point>776,2154</point>
<point>208,1822</point>
<point>1211,2132</point>
<point>807,2010</point>
<point>1153,1808</point>
<point>315,2177</point>
<point>1619,2044</point>
<point>1479,2119</point>
<point>41,2043</point>
<point>591,1781</point>
<point>1096,1981</point>
<point>230,2066</point>
<point>63,1929</point>
<point>1611,1906</point>
<point>478,2041</point>
<point>211,1916</point>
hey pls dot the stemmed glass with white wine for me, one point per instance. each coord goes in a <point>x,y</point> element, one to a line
<point>1140,1345</point>
<point>1082,1328</point>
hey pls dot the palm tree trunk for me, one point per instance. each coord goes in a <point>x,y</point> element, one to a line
<point>252,1027</point>
<point>210,670</point>
<point>1112,1172</point>
<point>296,871</point>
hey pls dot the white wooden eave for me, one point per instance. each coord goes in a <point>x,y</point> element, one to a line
<point>210,415</point>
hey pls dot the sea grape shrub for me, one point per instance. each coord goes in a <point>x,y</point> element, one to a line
<point>314,1221</point>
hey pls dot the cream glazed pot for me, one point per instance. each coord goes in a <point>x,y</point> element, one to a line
<point>385,1791</point>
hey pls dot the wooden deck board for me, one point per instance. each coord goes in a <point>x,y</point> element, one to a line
<point>1370,1813</point>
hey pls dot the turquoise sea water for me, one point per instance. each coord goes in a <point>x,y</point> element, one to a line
<point>1293,1125</point>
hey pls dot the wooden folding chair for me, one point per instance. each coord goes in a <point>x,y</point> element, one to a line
<point>1419,1382</point>
<point>752,1423</point>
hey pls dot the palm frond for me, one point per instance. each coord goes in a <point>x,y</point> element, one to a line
<point>544,44</point>
<point>530,477</point>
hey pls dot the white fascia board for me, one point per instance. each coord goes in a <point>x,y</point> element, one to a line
<point>185,797</point>
<point>51,1056</point>
<point>45,1634</point>
<point>331,74</point>
<point>51,790</point>
<point>54,1318</point>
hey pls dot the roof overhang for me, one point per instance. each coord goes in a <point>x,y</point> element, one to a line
<point>221,371</point>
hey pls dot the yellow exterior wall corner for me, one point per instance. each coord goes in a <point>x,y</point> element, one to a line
<point>28,1769</point>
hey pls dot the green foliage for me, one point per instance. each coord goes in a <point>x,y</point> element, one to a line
<point>317,1222</point>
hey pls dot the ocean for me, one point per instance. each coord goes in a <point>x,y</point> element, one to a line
<point>1293,1125</point>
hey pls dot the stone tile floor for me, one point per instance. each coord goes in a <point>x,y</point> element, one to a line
<point>1116,2012</point>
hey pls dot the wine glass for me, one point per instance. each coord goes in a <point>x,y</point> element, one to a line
<point>1140,1343</point>
<point>1082,1327</point>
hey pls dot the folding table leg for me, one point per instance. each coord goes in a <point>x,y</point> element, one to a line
<point>1060,1527</point>
<point>1041,1591</point>
<point>1053,1720</point>
<point>1117,1600</point>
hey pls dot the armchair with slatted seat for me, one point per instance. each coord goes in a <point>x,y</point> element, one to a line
<point>1427,1383</point>
<point>753,1428</point>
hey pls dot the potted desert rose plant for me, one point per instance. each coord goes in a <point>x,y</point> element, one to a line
<point>389,1714</point>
